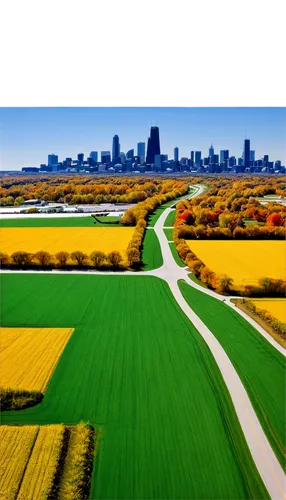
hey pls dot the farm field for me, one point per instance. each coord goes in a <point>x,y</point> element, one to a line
<point>176,256</point>
<point>30,457</point>
<point>28,356</point>
<point>151,252</point>
<point>129,377</point>
<point>169,234</point>
<point>56,239</point>
<point>244,261</point>
<point>248,351</point>
<point>170,219</point>
<point>67,221</point>
<point>276,307</point>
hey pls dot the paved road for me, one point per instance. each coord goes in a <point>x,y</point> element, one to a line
<point>262,453</point>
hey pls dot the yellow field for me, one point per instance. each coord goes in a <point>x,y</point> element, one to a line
<point>15,447</point>
<point>244,261</point>
<point>276,307</point>
<point>29,460</point>
<point>40,472</point>
<point>28,356</point>
<point>68,239</point>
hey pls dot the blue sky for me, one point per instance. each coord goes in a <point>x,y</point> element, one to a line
<point>28,135</point>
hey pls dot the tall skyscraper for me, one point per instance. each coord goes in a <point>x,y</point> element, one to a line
<point>246,153</point>
<point>141,151</point>
<point>115,149</point>
<point>80,157</point>
<point>130,153</point>
<point>94,156</point>
<point>252,155</point>
<point>105,157</point>
<point>211,150</point>
<point>153,147</point>
<point>176,154</point>
<point>53,160</point>
<point>198,156</point>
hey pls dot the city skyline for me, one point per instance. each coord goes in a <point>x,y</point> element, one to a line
<point>28,135</point>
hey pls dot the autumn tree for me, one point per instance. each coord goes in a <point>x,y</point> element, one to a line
<point>21,258</point>
<point>223,283</point>
<point>133,256</point>
<point>4,259</point>
<point>97,257</point>
<point>114,258</point>
<point>79,257</point>
<point>44,258</point>
<point>62,257</point>
<point>274,219</point>
<point>207,276</point>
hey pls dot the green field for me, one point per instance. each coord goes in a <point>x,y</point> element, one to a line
<point>56,222</point>
<point>260,366</point>
<point>169,234</point>
<point>196,280</point>
<point>151,252</point>
<point>136,367</point>
<point>170,219</point>
<point>176,256</point>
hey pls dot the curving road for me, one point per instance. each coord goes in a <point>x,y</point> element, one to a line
<point>267,464</point>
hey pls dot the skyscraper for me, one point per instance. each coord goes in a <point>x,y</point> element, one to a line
<point>252,155</point>
<point>211,150</point>
<point>105,157</point>
<point>246,153</point>
<point>176,154</point>
<point>80,157</point>
<point>53,160</point>
<point>130,154</point>
<point>94,156</point>
<point>141,151</point>
<point>115,149</point>
<point>198,156</point>
<point>153,147</point>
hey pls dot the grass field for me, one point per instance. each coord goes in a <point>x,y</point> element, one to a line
<point>67,221</point>
<point>53,240</point>
<point>276,307</point>
<point>176,256</point>
<point>196,280</point>
<point>244,261</point>
<point>170,219</point>
<point>260,366</point>
<point>29,355</point>
<point>136,367</point>
<point>34,461</point>
<point>169,234</point>
<point>151,253</point>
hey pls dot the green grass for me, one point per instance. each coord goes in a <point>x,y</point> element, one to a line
<point>196,280</point>
<point>56,222</point>
<point>151,253</point>
<point>169,234</point>
<point>136,367</point>
<point>170,219</point>
<point>260,366</point>
<point>251,222</point>
<point>177,258</point>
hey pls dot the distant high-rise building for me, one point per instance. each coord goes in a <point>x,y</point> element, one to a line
<point>80,157</point>
<point>122,157</point>
<point>224,155</point>
<point>246,153</point>
<point>105,157</point>
<point>141,151</point>
<point>153,147</point>
<point>252,155</point>
<point>94,156</point>
<point>176,154</point>
<point>158,162</point>
<point>211,151</point>
<point>192,156</point>
<point>53,160</point>
<point>115,149</point>
<point>198,156</point>
<point>130,153</point>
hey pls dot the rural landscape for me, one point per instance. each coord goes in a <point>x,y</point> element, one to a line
<point>142,338</point>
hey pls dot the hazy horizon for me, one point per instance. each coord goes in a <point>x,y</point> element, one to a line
<point>28,135</point>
